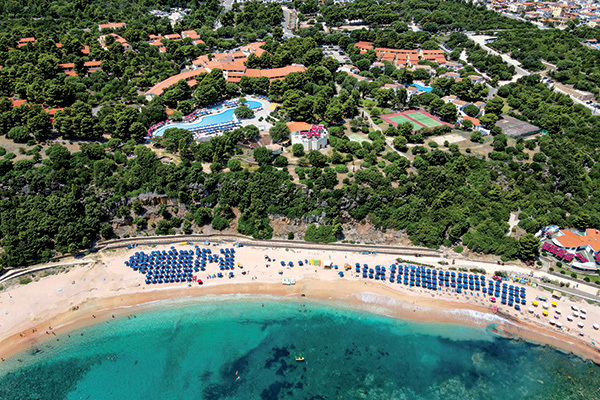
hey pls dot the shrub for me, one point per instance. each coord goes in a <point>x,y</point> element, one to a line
<point>298,150</point>
<point>433,144</point>
<point>573,275</point>
<point>234,165</point>
<point>539,263</point>
<point>320,234</point>
<point>458,249</point>
<point>551,269</point>
<point>290,235</point>
<point>478,271</point>
<point>587,279</point>
<point>280,162</point>
<point>562,271</point>
<point>558,264</point>
<point>341,169</point>
<point>219,223</point>
<point>24,281</point>
<point>19,134</point>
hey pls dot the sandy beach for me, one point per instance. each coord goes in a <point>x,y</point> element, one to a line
<point>106,289</point>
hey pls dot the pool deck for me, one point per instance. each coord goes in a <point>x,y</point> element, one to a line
<point>262,125</point>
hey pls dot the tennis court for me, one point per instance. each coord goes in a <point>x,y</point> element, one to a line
<point>424,119</point>
<point>400,119</point>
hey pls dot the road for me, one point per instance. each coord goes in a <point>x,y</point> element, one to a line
<point>480,40</point>
<point>289,23</point>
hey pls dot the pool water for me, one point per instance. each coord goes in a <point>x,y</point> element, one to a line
<point>222,117</point>
<point>422,88</point>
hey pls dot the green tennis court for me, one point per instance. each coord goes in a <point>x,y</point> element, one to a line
<point>399,119</point>
<point>424,119</point>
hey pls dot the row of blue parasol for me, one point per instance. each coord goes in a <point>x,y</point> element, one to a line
<point>432,279</point>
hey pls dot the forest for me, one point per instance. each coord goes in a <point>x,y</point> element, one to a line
<point>54,200</point>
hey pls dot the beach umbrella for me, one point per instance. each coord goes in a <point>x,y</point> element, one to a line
<point>596,326</point>
<point>545,313</point>
<point>559,324</point>
<point>531,310</point>
<point>583,311</point>
<point>569,318</point>
<point>580,325</point>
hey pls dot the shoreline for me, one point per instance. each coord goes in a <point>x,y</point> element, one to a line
<point>363,296</point>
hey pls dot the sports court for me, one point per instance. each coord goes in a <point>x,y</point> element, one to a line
<point>400,119</point>
<point>418,118</point>
<point>424,119</point>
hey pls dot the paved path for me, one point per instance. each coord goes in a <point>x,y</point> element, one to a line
<point>15,273</point>
<point>571,292</point>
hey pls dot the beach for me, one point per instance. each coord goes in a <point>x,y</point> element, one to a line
<point>106,288</point>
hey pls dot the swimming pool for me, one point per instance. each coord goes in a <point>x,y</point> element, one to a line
<point>222,117</point>
<point>422,88</point>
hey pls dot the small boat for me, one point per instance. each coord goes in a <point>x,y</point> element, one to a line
<point>299,359</point>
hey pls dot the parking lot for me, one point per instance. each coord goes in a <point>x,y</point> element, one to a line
<point>337,53</point>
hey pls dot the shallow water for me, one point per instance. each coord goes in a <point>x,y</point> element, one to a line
<point>244,348</point>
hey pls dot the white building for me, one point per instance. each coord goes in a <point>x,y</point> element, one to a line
<point>311,137</point>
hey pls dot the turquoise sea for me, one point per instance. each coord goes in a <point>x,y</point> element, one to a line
<point>244,348</point>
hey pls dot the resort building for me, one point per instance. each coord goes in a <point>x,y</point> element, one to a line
<point>112,25</point>
<point>311,137</point>
<point>583,251</point>
<point>233,66</point>
<point>102,40</point>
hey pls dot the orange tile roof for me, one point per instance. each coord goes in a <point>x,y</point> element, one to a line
<point>364,45</point>
<point>160,87</point>
<point>475,121</point>
<point>298,126</point>
<point>191,34</point>
<point>570,239</point>
<point>70,73</point>
<point>67,65</point>
<point>18,103</point>
<point>86,49</point>
<point>52,111</point>
<point>173,36</point>
<point>114,25</point>
<point>58,45</point>
<point>27,39</point>
<point>170,111</point>
<point>92,63</point>
<point>253,48</point>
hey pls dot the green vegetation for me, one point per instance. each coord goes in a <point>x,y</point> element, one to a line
<point>55,200</point>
